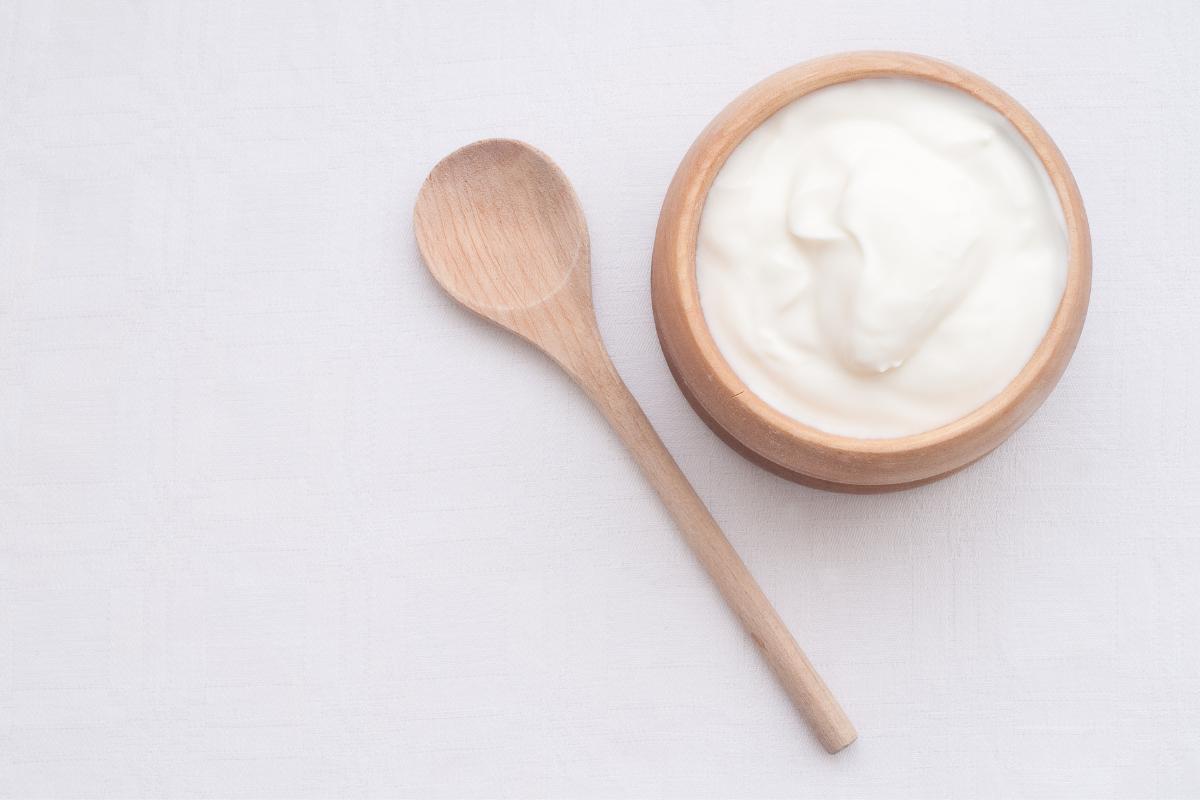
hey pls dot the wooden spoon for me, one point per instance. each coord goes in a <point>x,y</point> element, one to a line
<point>501,230</point>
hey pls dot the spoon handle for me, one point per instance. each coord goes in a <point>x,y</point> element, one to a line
<point>805,687</point>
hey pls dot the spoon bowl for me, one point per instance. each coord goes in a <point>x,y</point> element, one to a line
<point>470,224</point>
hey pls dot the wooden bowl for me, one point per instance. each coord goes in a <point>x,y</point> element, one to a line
<point>777,441</point>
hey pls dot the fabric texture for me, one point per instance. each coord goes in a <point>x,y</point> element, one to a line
<point>278,519</point>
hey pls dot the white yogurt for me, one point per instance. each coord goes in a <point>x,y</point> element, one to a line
<point>881,257</point>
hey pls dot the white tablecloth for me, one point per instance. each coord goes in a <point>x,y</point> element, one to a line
<point>278,519</point>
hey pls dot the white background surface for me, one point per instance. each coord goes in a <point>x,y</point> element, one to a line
<point>277,519</point>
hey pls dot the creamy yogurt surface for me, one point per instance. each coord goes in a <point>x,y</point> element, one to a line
<point>881,257</point>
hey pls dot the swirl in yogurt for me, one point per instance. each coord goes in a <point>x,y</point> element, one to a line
<point>881,257</point>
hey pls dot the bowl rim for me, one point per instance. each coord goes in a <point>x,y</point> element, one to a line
<point>674,264</point>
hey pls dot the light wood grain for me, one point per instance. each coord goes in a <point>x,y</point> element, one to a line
<point>768,436</point>
<point>501,230</point>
